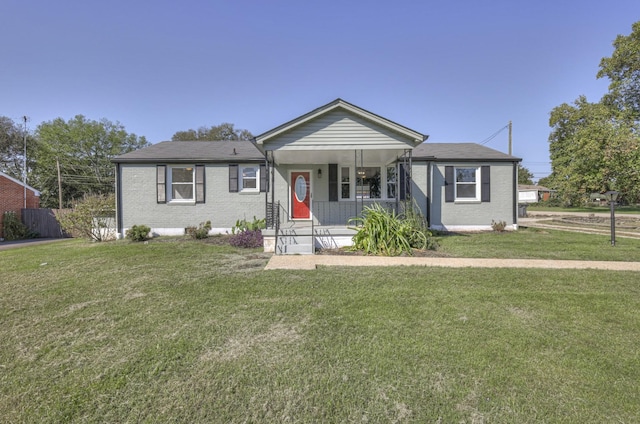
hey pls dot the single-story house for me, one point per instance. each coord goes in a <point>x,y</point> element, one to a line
<point>528,193</point>
<point>12,197</point>
<point>310,175</point>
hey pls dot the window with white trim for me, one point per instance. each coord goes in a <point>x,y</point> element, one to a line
<point>345,182</point>
<point>467,183</point>
<point>181,184</point>
<point>392,175</point>
<point>249,176</point>
<point>371,182</point>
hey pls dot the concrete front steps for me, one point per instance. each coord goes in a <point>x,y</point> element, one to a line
<point>306,240</point>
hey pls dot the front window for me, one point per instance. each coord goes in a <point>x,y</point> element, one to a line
<point>391,182</point>
<point>368,182</point>
<point>371,182</point>
<point>467,183</point>
<point>249,178</point>
<point>182,184</point>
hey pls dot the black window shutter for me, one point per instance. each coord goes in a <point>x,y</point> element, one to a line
<point>402,182</point>
<point>233,178</point>
<point>485,189</point>
<point>264,179</point>
<point>333,182</point>
<point>199,183</point>
<point>449,185</point>
<point>161,183</point>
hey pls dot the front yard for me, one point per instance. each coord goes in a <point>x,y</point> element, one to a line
<point>185,331</point>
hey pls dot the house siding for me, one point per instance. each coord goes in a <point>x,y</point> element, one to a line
<point>12,199</point>
<point>139,204</point>
<point>339,130</point>
<point>419,182</point>
<point>474,215</point>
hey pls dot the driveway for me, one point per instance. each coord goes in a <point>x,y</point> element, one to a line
<point>6,245</point>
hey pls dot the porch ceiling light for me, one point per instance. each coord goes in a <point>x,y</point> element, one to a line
<point>319,173</point>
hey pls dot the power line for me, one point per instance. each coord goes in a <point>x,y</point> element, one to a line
<point>494,135</point>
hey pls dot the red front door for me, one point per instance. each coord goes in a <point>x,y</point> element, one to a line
<point>301,195</point>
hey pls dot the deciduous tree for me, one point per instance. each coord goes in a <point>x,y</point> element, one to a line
<point>83,149</point>
<point>623,70</point>
<point>524,175</point>
<point>595,147</point>
<point>222,132</point>
<point>12,147</point>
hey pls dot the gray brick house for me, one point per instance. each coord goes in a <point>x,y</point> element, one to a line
<point>308,176</point>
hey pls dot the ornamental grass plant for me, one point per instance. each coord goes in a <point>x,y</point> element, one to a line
<point>383,232</point>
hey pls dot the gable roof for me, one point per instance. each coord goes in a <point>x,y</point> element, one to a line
<point>341,104</point>
<point>194,151</point>
<point>460,152</point>
<point>20,183</point>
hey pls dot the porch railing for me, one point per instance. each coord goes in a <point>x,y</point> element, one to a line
<point>325,213</point>
<point>338,213</point>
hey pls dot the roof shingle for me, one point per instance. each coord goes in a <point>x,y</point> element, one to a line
<point>194,151</point>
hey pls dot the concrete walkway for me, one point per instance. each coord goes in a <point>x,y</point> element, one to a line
<point>313,261</point>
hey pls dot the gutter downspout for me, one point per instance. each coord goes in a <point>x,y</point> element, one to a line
<point>515,195</point>
<point>119,229</point>
<point>428,199</point>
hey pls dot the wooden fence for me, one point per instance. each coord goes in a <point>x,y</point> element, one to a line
<point>43,221</point>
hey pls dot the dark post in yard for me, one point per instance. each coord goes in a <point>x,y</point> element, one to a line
<point>612,196</point>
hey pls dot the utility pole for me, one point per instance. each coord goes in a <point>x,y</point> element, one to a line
<point>24,163</point>
<point>510,139</point>
<point>59,185</point>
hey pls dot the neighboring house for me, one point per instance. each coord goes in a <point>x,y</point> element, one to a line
<point>533,193</point>
<point>308,176</point>
<point>12,197</point>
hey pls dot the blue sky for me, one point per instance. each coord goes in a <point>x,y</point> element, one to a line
<point>456,70</point>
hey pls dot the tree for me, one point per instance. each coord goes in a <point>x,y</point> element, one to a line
<point>222,132</point>
<point>623,69</point>
<point>82,149</point>
<point>92,217</point>
<point>524,175</point>
<point>12,147</point>
<point>595,147</point>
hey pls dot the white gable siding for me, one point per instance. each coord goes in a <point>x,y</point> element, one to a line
<point>339,130</point>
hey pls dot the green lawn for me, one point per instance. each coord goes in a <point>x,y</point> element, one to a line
<point>183,331</point>
<point>585,209</point>
<point>532,243</point>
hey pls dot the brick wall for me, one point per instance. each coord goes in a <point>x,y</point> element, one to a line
<point>12,198</point>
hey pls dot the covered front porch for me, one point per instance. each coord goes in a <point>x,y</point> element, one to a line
<point>327,166</point>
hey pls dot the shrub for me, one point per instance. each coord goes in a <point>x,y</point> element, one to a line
<point>92,217</point>
<point>247,238</point>
<point>14,229</point>
<point>383,232</point>
<point>199,232</point>
<point>244,225</point>
<point>138,233</point>
<point>498,226</point>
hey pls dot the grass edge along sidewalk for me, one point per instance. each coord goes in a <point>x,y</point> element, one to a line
<point>313,261</point>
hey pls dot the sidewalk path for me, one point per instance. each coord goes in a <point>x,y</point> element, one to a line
<point>313,261</point>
